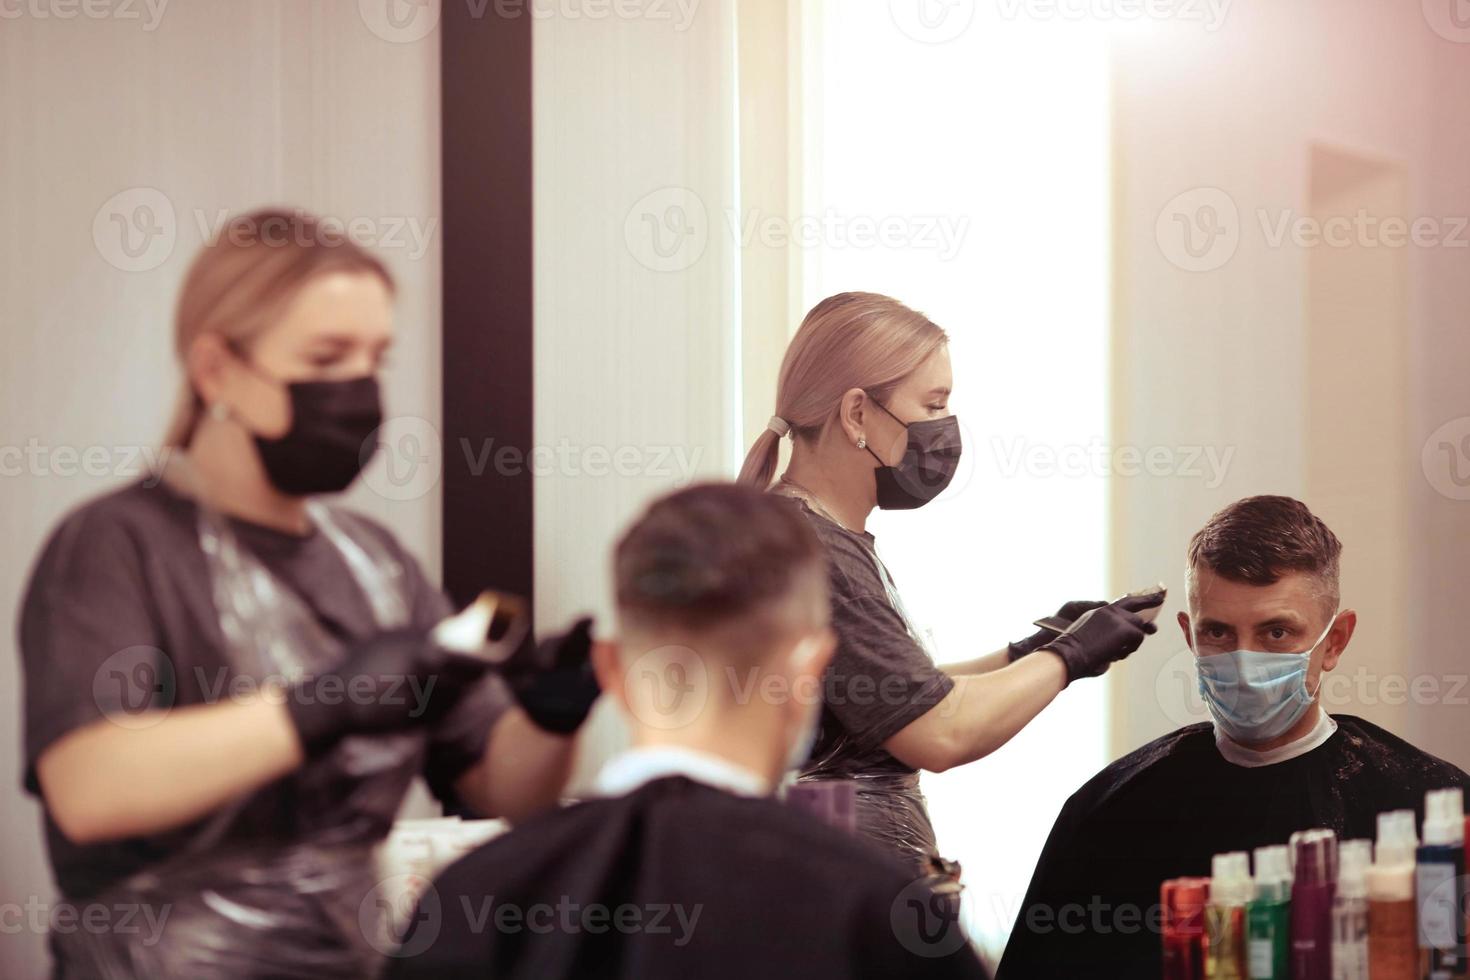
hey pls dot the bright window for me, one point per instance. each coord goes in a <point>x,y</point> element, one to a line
<point>970,179</point>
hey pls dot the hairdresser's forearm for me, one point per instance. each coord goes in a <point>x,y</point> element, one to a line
<point>980,665</point>
<point>523,770</point>
<point>981,713</point>
<point>993,707</point>
<point>105,781</point>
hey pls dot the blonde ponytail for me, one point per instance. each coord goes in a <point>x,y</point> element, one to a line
<point>760,463</point>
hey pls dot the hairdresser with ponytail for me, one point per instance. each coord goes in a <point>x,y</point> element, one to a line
<point>863,394</point>
<point>229,684</point>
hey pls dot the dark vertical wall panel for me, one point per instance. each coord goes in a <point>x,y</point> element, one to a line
<point>486,122</point>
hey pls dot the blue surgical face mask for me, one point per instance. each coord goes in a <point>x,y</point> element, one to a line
<point>1255,697</point>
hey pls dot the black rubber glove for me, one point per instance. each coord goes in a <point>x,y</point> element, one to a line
<point>388,682</point>
<point>1103,635</point>
<point>553,679</point>
<point>1071,611</point>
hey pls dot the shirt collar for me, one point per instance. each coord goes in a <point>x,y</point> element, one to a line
<point>629,770</point>
<point>1250,758</point>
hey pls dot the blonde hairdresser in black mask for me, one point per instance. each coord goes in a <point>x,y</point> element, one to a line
<point>229,685</point>
<point>864,395</point>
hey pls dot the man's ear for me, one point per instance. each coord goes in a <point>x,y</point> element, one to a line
<point>815,655</point>
<point>607,664</point>
<point>1338,637</point>
<point>1184,627</point>
<point>808,661</point>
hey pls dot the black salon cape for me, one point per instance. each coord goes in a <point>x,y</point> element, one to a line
<point>775,892</point>
<point>1164,810</point>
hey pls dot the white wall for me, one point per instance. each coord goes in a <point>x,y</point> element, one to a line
<point>214,106</point>
<point>637,349</point>
<point>1218,359</point>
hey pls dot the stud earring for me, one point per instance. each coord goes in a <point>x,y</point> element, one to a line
<point>862,442</point>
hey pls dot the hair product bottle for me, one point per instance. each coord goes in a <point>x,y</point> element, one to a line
<point>1268,916</point>
<point>1314,876</point>
<point>1184,927</point>
<point>1350,911</point>
<point>1438,881</point>
<point>1393,936</point>
<point>1225,932</point>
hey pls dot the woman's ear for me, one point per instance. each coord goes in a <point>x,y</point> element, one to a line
<point>208,362</point>
<point>851,415</point>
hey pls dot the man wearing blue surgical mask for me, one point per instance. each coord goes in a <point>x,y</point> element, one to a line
<point>1261,648</point>
<point>1265,623</point>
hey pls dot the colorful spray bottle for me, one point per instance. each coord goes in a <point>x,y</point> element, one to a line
<point>1393,937</point>
<point>1268,916</point>
<point>1438,880</point>
<point>1314,877</point>
<point>1184,902</point>
<point>1225,928</point>
<point>1350,911</point>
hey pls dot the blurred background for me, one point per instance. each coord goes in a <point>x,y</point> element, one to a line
<point>1186,250</point>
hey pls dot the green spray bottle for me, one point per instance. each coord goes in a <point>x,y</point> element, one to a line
<point>1268,916</point>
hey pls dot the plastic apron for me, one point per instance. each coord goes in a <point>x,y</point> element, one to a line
<point>890,806</point>
<point>300,902</point>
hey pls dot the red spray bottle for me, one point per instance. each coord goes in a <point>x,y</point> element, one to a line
<point>1184,901</point>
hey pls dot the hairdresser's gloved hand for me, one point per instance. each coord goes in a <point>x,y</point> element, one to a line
<point>1070,612</point>
<point>1102,635</point>
<point>387,682</point>
<point>553,679</point>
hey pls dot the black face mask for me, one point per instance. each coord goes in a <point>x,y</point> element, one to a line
<point>327,445</point>
<point>929,463</point>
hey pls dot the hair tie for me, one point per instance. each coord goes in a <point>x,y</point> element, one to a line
<point>779,426</point>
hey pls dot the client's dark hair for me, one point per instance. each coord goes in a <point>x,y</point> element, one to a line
<point>711,553</point>
<point>1258,539</point>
